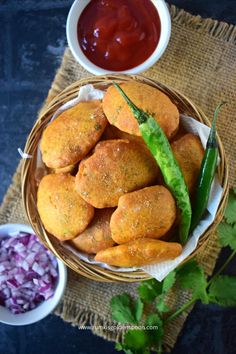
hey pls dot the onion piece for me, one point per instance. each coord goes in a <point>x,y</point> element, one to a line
<point>28,272</point>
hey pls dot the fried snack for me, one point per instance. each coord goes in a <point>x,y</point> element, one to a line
<point>189,153</point>
<point>63,212</point>
<point>173,233</point>
<point>67,169</point>
<point>72,134</point>
<point>148,98</point>
<point>139,253</point>
<point>111,132</point>
<point>180,133</point>
<point>97,236</point>
<point>116,167</point>
<point>148,212</point>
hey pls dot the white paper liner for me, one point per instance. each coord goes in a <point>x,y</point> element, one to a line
<point>158,271</point>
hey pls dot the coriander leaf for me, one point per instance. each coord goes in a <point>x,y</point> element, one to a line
<point>149,290</point>
<point>146,293</point>
<point>222,290</point>
<point>227,235</point>
<point>127,351</point>
<point>119,346</point>
<point>168,282</point>
<point>136,339</point>
<point>230,211</point>
<point>138,309</point>
<point>152,320</point>
<point>121,308</point>
<point>161,306</point>
<point>191,276</point>
<point>155,328</point>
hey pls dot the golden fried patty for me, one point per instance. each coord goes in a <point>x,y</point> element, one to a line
<point>63,212</point>
<point>68,138</point>
<point>67,169</point>
<point>189,153</point>
<point>116,167</point>
<point>148,212</point>
<point>111,132</point>
<point>97,236</point>
<point>146,97</point>
<point>139,253</point>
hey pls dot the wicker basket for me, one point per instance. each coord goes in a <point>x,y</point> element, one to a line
<point>29,187</point>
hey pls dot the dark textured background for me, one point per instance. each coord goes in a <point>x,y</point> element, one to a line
<point>32,41</point>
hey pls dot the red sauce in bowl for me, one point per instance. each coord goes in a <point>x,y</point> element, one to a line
<point>118,35</point>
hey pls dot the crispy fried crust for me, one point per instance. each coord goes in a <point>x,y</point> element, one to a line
<point>72,134</point>
<point>189,153</point>
<point>111,132</point>
<point>116,167</point>
<point>149,99</point>
<point>97,236</point>
<point>139,253</point>
<point>62,211</point>
<point>67,169</point>
<point>149,212</point>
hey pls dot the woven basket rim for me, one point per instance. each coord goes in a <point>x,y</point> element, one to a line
<point>95,272</point>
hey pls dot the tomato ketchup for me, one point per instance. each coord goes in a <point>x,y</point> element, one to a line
<point>118,35</point>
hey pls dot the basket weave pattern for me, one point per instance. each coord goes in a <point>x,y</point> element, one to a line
<point>29,184</point>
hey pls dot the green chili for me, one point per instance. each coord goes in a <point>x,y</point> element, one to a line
<point>159,146</point>
<point>207,173</point>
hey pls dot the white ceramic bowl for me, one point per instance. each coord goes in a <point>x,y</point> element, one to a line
<point>47,306</point>
<point>71,32</point>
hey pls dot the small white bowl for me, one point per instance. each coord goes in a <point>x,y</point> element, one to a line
<point>47,306</point>
<point>71,32</point>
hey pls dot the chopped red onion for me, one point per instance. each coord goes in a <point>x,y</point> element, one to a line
<point>28,272</point>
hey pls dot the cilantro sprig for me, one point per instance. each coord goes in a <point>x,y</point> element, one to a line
<point>124,310</point>
<point>220,289</point>
<point>227,228</point>
<point>191,276</point>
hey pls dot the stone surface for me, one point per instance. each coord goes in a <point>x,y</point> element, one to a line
<point>36,60</point>
<point>217,9</point>
<point>51,336</point>
<point>2,46</point>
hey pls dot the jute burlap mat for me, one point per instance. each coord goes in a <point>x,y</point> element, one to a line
<point>200,62</point>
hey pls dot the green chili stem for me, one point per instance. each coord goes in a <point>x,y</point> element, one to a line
<point>140,115</point>
<point>183,308</point>
<point>212,135</point>
<point>159,347</point>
